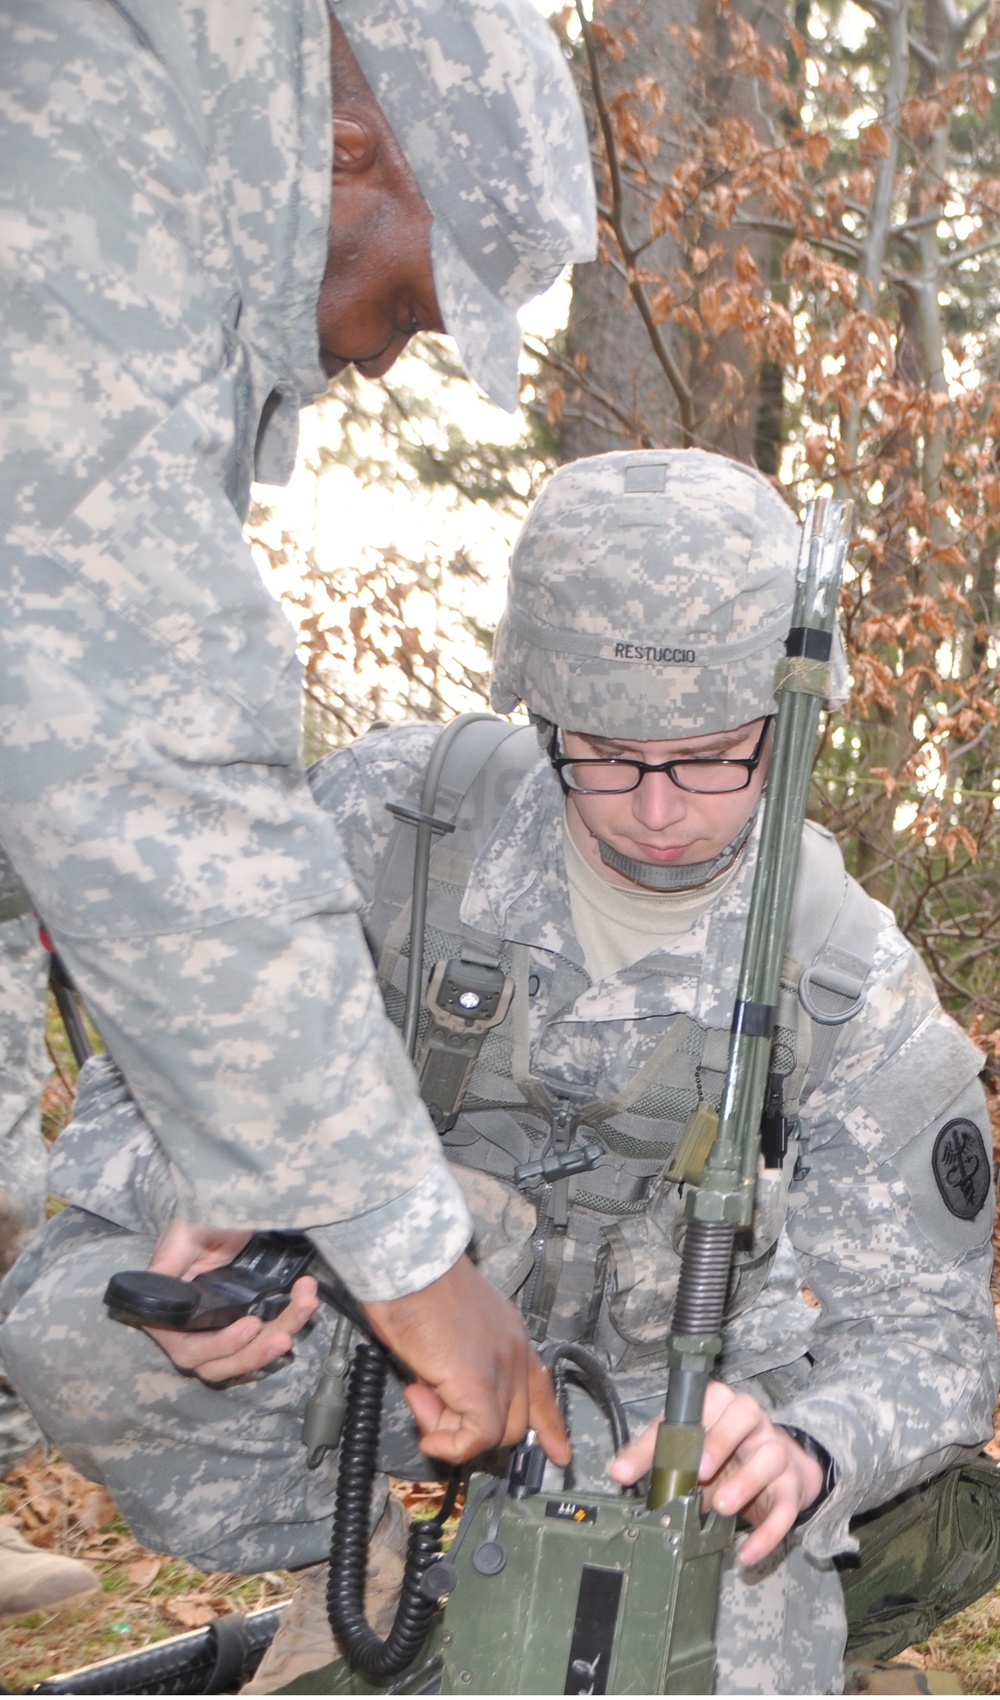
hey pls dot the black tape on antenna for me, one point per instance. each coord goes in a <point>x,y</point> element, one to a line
<point>810,642</point>
<point>756,1020</point>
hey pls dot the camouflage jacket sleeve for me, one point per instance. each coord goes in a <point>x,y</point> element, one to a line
<point>891,1228</point>
<point>152,798</point>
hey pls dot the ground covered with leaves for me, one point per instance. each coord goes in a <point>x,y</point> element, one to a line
<point>144,1596</point>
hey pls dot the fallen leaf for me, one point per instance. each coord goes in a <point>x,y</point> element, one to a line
<point>192,1611</point>
<point>41,1510</point>
<point>94,1508</point>
<point>144,1571</point>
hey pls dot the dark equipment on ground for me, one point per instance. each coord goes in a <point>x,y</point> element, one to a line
<point>68,1003</point>
<point>922,1557</point>
<point>578,1593</point>
<point>560,1592</point>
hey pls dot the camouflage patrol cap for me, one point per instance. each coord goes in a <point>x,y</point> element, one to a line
<point>649,596</point>
<point>480,99</point>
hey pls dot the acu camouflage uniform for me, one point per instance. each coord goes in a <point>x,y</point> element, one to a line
<point>164,230</point>
<point>165,172</point>
<point>24,1067</point>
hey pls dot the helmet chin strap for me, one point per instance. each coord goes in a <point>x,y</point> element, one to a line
<point>660,876</point>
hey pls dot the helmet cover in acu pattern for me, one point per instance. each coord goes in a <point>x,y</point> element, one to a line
<point>481,101</point>
<point>649,596</point>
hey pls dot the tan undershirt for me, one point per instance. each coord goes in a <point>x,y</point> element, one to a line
<point>618,926</point>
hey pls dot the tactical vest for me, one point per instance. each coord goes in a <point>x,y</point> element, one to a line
<point>605,1273</point>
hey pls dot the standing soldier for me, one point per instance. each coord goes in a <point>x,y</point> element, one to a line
<point>177,278</point>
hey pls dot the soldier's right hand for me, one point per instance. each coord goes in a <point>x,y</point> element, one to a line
<point>749,1465</point>
<point>479,1383</point>
<point>186,1249</point>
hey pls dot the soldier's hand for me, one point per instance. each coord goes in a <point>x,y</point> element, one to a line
<point>748,1466</point>
<point>186,1249</point>
<point>479,1383</point>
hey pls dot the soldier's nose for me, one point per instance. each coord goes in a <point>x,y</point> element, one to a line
<point>658,801</point>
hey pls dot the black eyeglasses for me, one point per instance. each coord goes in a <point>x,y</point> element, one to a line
<point>603,774</point>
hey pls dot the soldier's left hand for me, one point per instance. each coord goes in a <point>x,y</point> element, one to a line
<point>186,1249</point>
<point>748,1466</point>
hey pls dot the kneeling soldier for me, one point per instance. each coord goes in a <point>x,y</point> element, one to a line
<point>648,602</point>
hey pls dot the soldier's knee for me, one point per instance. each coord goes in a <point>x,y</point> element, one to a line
<point>59,1346</point>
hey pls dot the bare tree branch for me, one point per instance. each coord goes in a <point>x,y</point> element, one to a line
<point>566,369</point>
<point>960,257</point>
<point>630,253</point>
<point>870,271</point>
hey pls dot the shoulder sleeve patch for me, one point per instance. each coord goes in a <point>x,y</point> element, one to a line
<point>961,1168</point>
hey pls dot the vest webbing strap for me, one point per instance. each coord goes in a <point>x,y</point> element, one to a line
<point>453,1041</point>
<point>837,955</point>
<point>479,742</point>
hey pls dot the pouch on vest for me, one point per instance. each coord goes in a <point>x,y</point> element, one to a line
<point>464,999</point>
<point>925,1555</point>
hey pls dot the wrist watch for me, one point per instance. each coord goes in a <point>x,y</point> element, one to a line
<point>813,1449</point>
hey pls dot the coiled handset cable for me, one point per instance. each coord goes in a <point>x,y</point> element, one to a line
<point>418,1603</point>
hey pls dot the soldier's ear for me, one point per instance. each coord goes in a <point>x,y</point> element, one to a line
<point>355,145</point>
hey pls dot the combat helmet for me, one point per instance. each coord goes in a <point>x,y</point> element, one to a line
<point>649,596</point>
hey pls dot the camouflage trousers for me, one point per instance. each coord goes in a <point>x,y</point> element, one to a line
<point>220,1476</point>
<point>24,1069</point>
<point>217,1475</point>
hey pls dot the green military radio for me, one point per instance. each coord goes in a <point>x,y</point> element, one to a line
<point>593,1594</point>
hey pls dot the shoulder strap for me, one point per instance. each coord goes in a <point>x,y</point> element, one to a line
<point>832,939</point>
<point>486,749</point>
<point>476,744</point>
<point>475,761</point>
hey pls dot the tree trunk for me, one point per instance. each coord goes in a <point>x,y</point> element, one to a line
<point>661,80</point>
